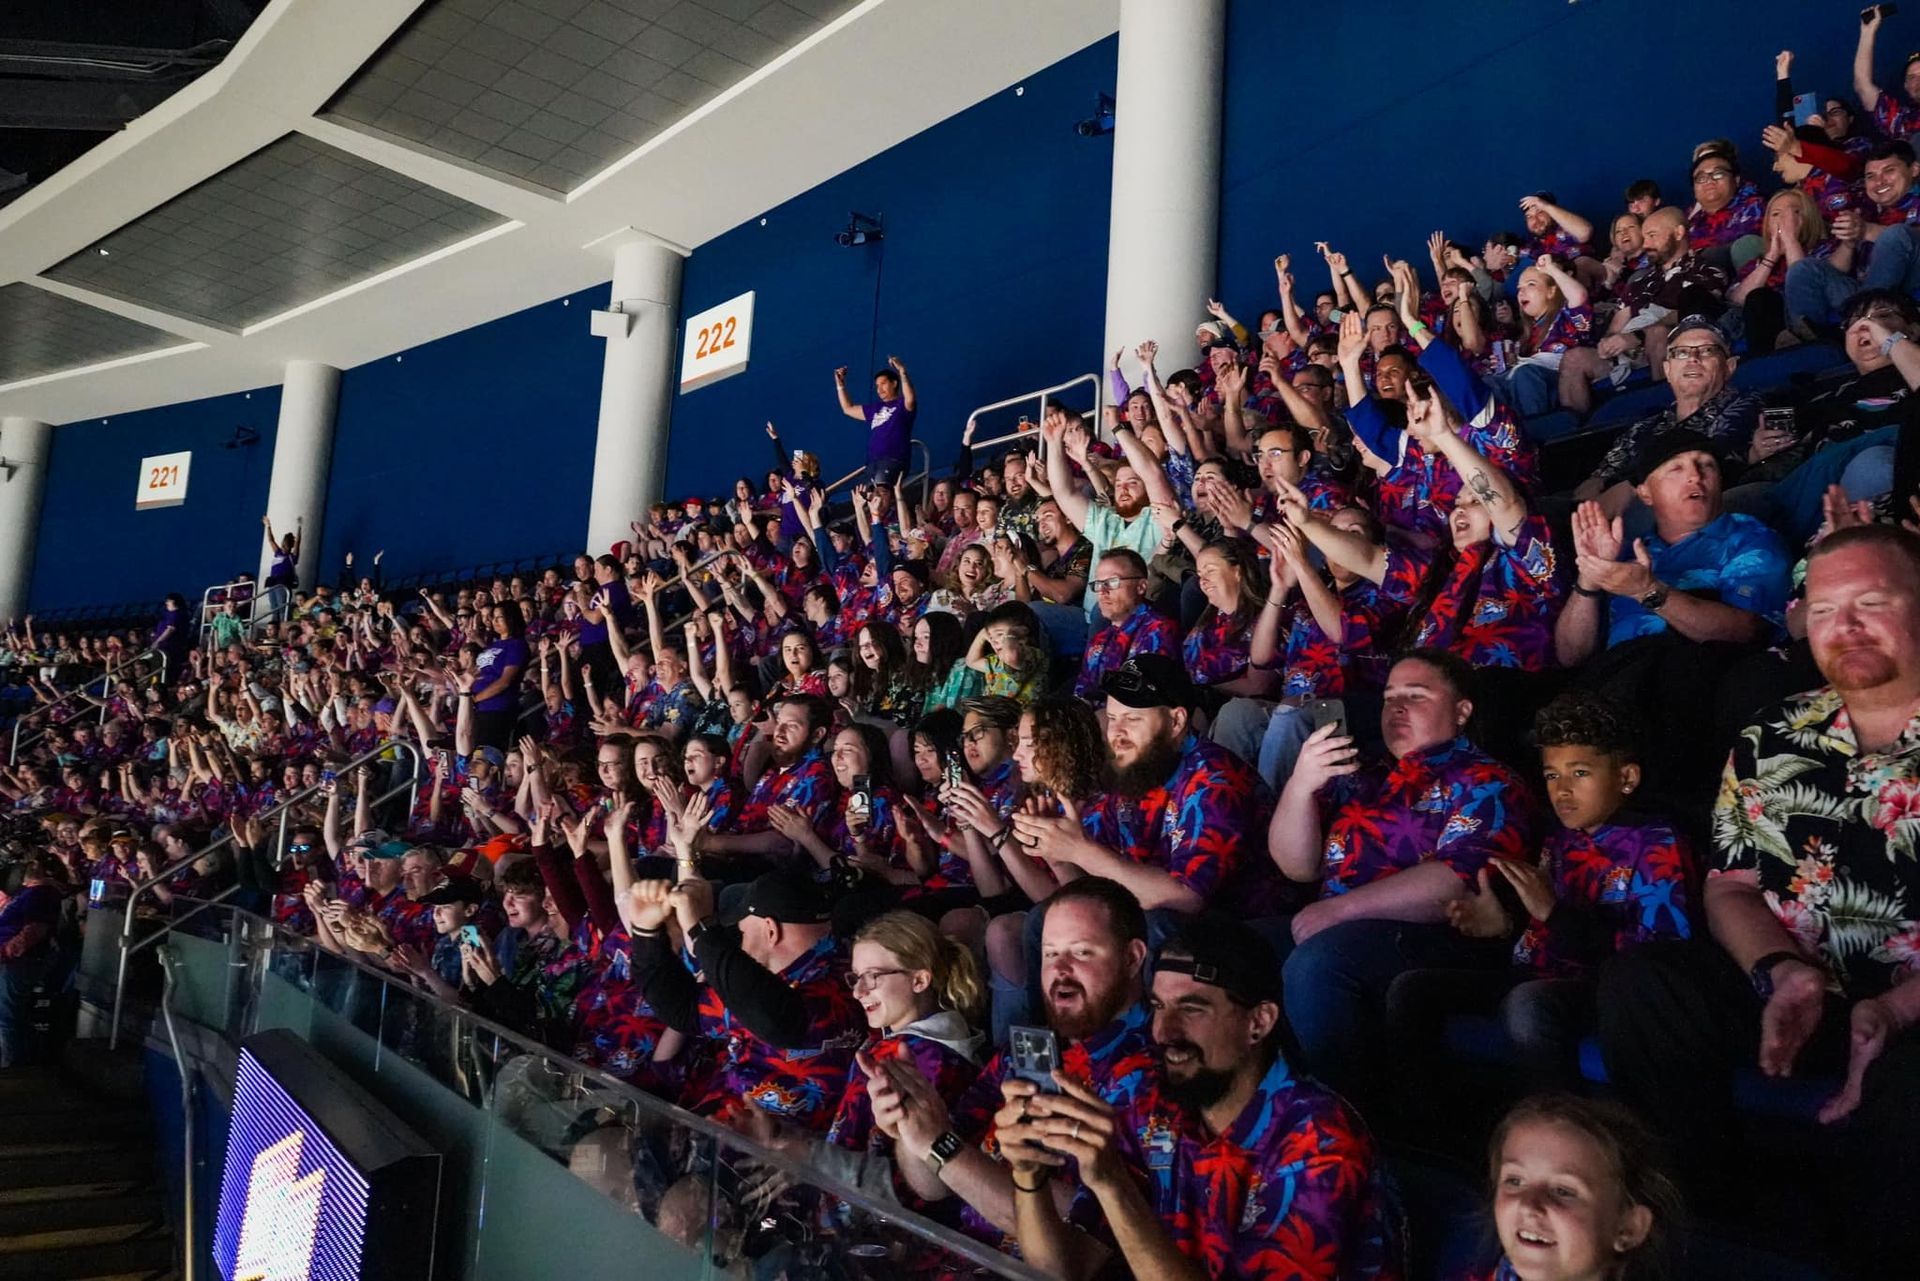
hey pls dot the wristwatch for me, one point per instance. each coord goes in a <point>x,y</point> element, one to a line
<point>1761,974</point>
<point>1655,597</point>
<point>702,928</point>
<point>945,1148</point>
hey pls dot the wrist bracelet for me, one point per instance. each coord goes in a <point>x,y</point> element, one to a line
<point>1894,339</point>
<point>1039,1182</point>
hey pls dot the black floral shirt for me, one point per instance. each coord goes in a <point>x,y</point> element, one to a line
<point>1834,835</point>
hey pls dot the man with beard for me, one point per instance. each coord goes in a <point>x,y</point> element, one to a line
<point>1093,952</point>
<point>799,779</point>
<point>1173,826</point>
<point>1127,521</point>
<point>1232,1166</point>
<point>1814,913</point>
<point>1389,846</point>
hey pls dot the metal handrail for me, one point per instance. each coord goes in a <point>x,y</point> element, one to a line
<point>111,674</point>
<point>1040,399</point>
<point>191,1266</point>
<point>284,808</point>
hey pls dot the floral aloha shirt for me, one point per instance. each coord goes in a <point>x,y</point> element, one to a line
<point>1834,836</point>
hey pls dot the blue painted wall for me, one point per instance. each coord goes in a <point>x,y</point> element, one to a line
<point>991,281</point>
<point>1369,123</point>
<point>95,549</point>
<point>1374,123</point>
<point>474,448</point>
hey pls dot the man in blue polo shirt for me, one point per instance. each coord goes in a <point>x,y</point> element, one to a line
<point>889,419</point>
<point>1661,618</point>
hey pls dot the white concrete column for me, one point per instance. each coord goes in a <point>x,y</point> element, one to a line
<point>636,392</point>
<point>1163,241</point>
<point>302,459</point>
<point>24,447</point>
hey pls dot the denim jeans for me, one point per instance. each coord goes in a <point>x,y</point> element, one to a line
<point>1336,983</point>
<point>1528,390</point>
<point>1793,504</point>
<point>1817,291</point>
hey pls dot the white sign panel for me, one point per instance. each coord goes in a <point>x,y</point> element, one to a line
<point>163,480</point>
<point>716,342</point>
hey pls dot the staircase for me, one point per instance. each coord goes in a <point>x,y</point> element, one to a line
<point>80,1190</point>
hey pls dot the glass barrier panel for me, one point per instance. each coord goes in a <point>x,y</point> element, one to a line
<point>533,1139</point>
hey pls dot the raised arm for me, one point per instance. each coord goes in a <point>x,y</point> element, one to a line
<point>907,396</point>
<point>1289,306</point>
<point>847,406</point>
<point>1570,288</point>
<point>1863,86</point>
<point>1571,223</point>
<point>1073,504</point>
<point>1429,423</point>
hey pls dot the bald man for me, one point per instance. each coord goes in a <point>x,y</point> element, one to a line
<point>1675,282</point>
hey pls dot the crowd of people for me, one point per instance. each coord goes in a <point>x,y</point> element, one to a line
<point>1091,850</point>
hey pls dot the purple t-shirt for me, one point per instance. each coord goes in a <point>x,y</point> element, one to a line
<point>619,611</point>
<point>176,620</point>
<point>492,663</point>
<point>889,431</point>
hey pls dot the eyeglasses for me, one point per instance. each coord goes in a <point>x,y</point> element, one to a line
<point>1104,585</point>
<point>1712,175</point>
<point>977,733</point>
<point>1694,355</point>
<point>869,978</point>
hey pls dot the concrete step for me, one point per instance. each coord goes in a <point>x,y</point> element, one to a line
<point>148,1257</point>
<point>133,1211</point>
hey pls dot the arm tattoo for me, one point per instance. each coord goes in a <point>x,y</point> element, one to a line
<point>1482,486</point>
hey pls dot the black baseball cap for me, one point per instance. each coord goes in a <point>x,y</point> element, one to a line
<point>1224,952</point>
<point>1149,680</point>
<point>788,897</point>
<point>1668,446</point>
<point>455,889</point>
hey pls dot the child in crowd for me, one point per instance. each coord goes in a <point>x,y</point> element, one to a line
<point>1577,1194</point>
<point>1004,652</point>
<point>1609,877</point>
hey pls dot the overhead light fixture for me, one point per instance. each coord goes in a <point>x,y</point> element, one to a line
<point>1100,122</point>
<point>861,230</point>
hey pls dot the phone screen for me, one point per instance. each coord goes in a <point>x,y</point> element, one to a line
<point>470,934</point>
<point>1035,1052</point>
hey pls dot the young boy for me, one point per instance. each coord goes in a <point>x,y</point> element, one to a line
<point>1608,878</point>
<point>1004,651</point>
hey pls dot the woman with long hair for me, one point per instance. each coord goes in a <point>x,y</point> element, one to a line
<point>883,688</point>
<point>1217,650</point>
<point>939,646</point>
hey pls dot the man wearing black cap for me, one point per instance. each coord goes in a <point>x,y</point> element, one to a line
<point>454,903</point>
<point>1231,1163</point>
<point>1699,366</point>
<point>1668,608</point>
<point>774,1021</point>
<point>1179,817</point>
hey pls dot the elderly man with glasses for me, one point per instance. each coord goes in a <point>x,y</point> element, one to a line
<point>1699,366</point>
